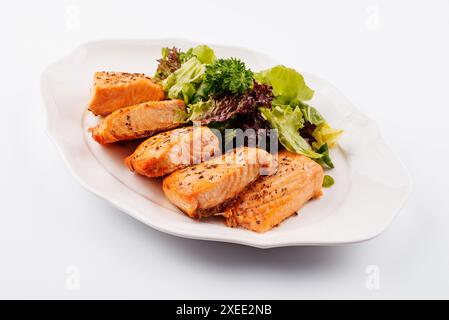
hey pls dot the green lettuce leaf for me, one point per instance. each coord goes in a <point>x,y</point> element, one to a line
<point>311,114</point>
<point>325,134</point>
<point>205,54</point>
<point>197,110</point>
<point>184,56</point>
<point>289,87</point>
<point>288,120</point>
<point>325,160</point>
<point>182,84</point>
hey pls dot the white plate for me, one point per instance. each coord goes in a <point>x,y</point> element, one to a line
<point>371,183</point>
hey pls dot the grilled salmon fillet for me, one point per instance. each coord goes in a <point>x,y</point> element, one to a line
<point>139,121</point>
<point>114,90</point>
<point>172,150</point>
<point>202,189</point>
<point>272,199</point>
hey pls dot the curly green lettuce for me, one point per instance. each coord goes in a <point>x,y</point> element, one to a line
<point>288,121</point>
<point>325,134</point>
<point>205,54</point>
<point>173,58</point>
<point>289,87</point>
<point>301,127</point>
<point>311,114</point>
<point>183,83</point>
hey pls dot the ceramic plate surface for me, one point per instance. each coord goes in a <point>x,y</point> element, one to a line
<point>371,183</point>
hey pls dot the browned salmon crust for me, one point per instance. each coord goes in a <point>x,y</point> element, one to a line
<point>114,90</point>
<point>139,121</point>
<point>172,150</point>
<point>271,199</point>
<point>198,188</point>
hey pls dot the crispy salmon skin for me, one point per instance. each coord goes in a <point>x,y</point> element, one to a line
<point>272,199</point>
<point>172,150</point>
<point>114,90</point>
<point>201,189</point>
<point>140,121</point>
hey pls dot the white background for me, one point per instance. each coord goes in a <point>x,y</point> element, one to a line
<point>389,57</point>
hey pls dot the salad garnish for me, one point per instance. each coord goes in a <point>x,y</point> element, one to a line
<point>328,181</point>
<point>227,76</point>
<point>225,94</point>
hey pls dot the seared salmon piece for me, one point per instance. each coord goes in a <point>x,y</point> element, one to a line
<point>139,121</point>
<point>172,150</point>
<point>272,199</point>
<point>114,90</point>
<point>201,190</point>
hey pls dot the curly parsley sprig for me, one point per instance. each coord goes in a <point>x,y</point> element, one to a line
<point>227,76</point>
